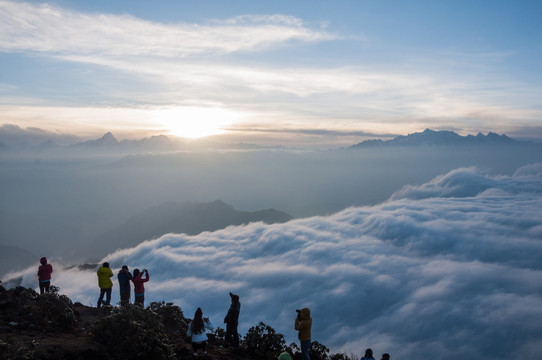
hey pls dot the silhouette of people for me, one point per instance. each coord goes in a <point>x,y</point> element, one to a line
<point>284,356</point>
<point>232,321</point>
<point>368,355</point>
<point>124,276</point>
<point>104,282</point>
<point>196,330</point>
<point>385,356</point>
<point>303,324</point>
<point>139,288</point>
<point>44,275</point>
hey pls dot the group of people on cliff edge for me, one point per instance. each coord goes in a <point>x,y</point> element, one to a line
<point>124,277</point>
<point>198,326</point>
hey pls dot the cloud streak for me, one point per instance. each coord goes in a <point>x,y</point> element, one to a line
<point>452,271</point>
<point>50,29</point>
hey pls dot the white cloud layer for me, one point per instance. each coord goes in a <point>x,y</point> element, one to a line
<point>449,269</point>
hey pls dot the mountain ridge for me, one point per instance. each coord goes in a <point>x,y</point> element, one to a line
<point>438,138</point>
<point>190,218</point>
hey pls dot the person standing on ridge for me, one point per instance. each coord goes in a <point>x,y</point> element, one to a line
<point>303,324</point>
<point>196,330</point>
<point>232,321</point>
<point>44,275</point>
<point>139,288</point>
<point>124,276</point>
<point>104,282</point>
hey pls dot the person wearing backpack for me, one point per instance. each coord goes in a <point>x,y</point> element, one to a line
<point>124,276</point>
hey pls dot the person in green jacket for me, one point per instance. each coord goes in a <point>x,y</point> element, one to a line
<point>105,284</point>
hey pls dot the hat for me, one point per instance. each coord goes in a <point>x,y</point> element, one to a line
<point>106,264</point>
<point>125,267</point>
<point>234,297</point>
<point>285,356</point>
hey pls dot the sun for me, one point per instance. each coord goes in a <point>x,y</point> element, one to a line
<point>194,122</point>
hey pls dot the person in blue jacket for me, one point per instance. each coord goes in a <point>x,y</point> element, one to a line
<point>124,276</point>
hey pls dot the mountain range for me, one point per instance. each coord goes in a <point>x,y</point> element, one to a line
<point>108,144</point>
<point>438,138</point>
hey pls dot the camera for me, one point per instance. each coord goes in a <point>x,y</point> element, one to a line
<point>298,311</point>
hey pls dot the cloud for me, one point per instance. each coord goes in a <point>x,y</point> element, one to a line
<point>13,135</point>
<point>466,182</point>
<point>51,29</point>
<point>449,268</point>
<point>139,63</point>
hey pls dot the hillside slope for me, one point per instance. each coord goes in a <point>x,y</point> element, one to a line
<point>172,217</point>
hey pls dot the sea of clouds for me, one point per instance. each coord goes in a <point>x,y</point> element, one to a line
<point>444,270</point>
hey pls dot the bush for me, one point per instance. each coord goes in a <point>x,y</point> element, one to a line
<point>172,317</point>
<point>318,351</point>
<point>263,343</point>
<point>58,309</point>
<point>134,333</point>
<point>342,356</point>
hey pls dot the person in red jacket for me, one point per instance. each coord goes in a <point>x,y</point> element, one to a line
<point>139,288</point>
<point>44,275</point>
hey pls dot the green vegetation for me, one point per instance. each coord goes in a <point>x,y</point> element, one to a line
<point>263,342</point>
<point>133,332</point>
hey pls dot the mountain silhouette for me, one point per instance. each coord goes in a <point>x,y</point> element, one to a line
<point>438,138</point>
<point>173,217</point>
<point>108,141</point>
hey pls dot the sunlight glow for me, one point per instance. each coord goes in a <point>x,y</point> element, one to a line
<point>194,122</point>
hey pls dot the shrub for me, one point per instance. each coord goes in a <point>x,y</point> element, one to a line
<point>263,343</point>
<point>318,351</point>
<point>57,309</point>
<point>342,356</point>
<point>134,333</point>
<point>172,317</point>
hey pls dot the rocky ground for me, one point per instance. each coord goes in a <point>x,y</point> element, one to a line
<point>34,326</point>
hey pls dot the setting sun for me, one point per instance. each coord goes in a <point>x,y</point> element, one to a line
<point>194,122</point>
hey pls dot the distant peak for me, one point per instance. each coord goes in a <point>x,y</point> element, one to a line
<point>108,135</point>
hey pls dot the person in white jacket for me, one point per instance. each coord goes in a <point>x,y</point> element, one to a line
<point>196,330</point>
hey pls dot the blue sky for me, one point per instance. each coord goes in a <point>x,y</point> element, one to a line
<point>272,72</point>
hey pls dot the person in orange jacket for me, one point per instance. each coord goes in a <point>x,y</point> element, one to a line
<point>303,324</point>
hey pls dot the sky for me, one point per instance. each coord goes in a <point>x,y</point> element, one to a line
<point>307,73</point>
<point>450,267</point>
